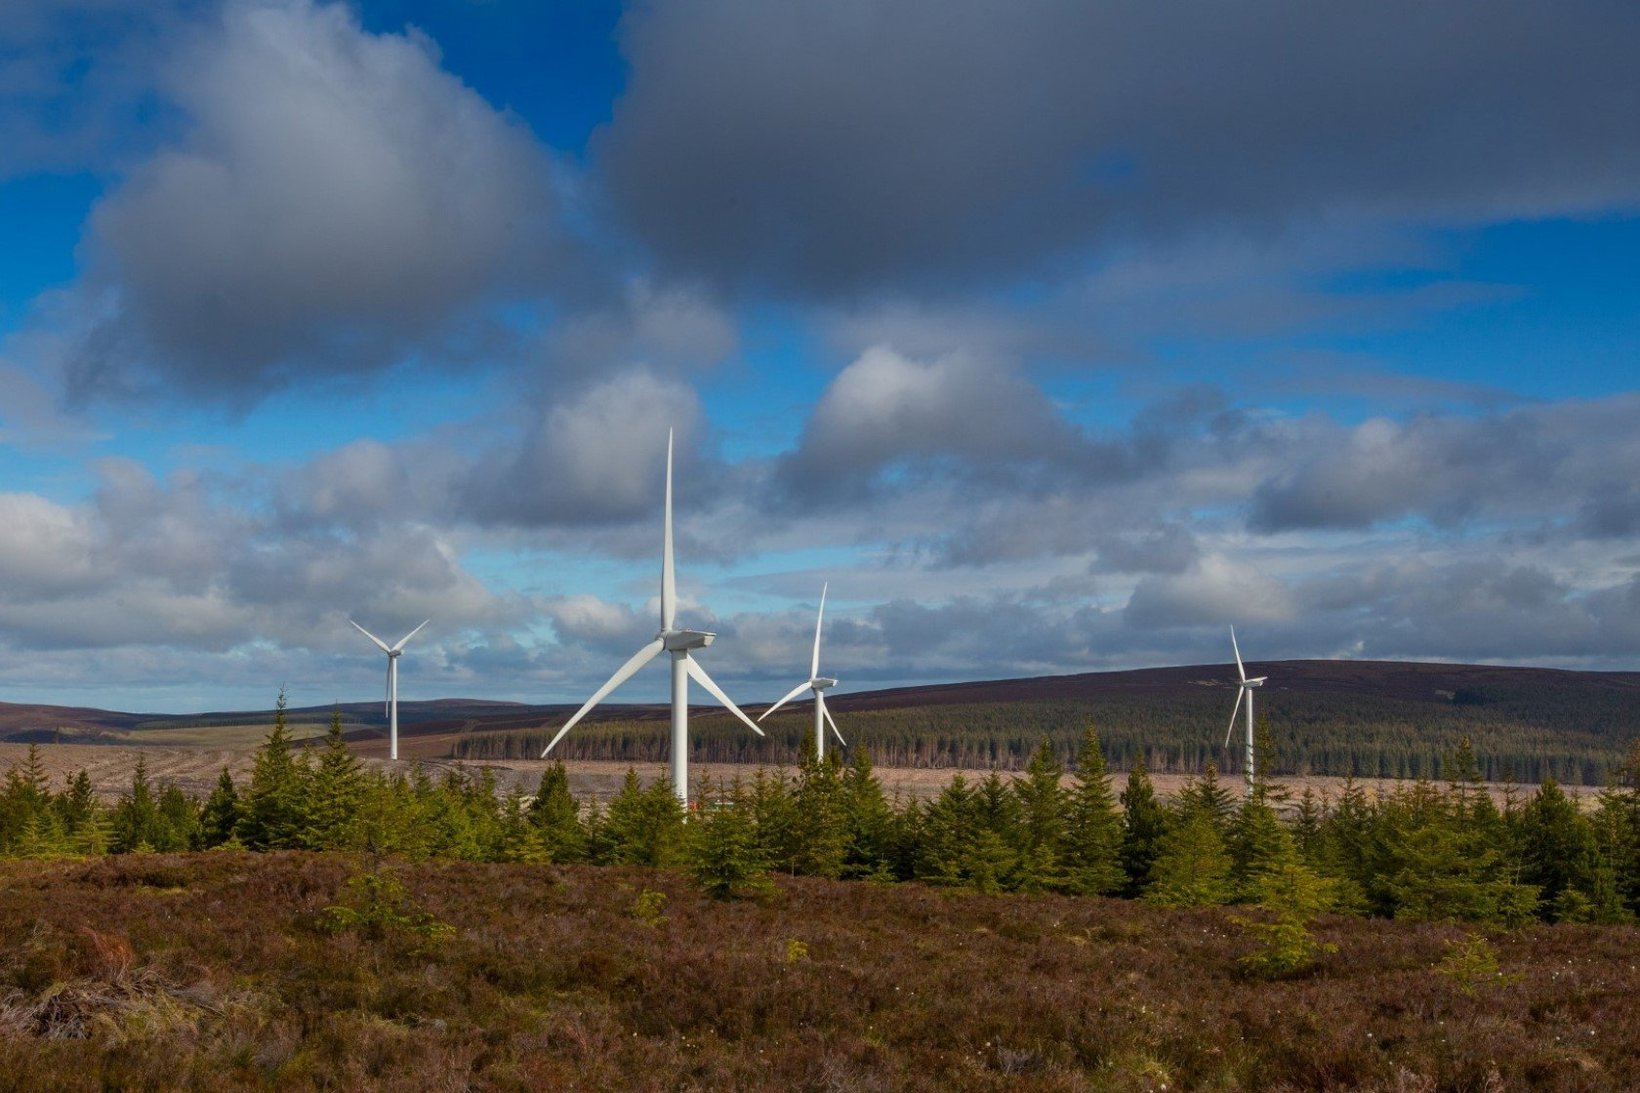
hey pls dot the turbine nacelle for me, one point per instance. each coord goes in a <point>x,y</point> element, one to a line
<point>674,641</point>
<point>821,683</point>
<point>1259,682</point>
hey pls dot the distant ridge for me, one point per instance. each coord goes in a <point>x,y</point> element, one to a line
<point>1437,684</point>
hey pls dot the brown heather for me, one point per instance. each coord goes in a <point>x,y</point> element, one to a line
<point>211,971</point>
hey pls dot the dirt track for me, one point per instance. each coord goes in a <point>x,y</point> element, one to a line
<point>196,770</point>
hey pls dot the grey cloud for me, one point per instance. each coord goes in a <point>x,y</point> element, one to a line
<point>596,457</point>
<point>337,201</point>
<point>850,145</point>
<point>886,410</point>
<point>1540,460</point>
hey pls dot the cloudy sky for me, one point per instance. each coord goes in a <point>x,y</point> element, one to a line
<point>1055,336</point>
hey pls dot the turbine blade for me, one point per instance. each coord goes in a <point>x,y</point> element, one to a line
<point>400,646</point>
<point>1242,671</point>
<point>1241,692</point>
<point>797,690</point>
<point>698,674</point>
<point>669,580</point>
<point>814,662</point>
<point>821,699</point>
<point>380,644</point>
<point>622,674</point>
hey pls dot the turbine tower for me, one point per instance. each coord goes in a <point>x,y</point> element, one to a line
<point>818,684</point>
<point>668,639</point>
<point>394,652</point>
<point>1243,690</point>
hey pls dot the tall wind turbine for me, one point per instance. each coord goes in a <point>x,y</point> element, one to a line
<point>1244,690</point>
<point>684,667</point>
<point>818,684</point>
<point>394,652</point>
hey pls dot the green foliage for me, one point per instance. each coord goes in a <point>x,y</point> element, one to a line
<point>1292,895</point>
<point>375,905</point>
<point>724,857</point>
<point>643,826</point>
<point>648,906</point>
<point>333,792</point>
<point>1471,963</point>
<point>555,819</point>
<point>1192,868</point>
<point>276,802</point>
<point>1093,826</point>
<point>1143,823</point>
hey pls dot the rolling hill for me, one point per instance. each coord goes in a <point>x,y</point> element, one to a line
<point>1367,718</point>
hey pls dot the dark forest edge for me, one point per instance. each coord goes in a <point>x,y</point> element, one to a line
<point>1425,851</point>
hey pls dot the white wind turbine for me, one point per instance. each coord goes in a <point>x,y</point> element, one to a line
<point>684,667</point>
<point>394,652</point>
<point>818,684</point>
<point>1243,690</point>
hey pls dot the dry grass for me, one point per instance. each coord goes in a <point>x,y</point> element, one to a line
<point>208,972</point>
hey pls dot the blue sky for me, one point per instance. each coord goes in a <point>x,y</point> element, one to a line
<point>1054,342</point>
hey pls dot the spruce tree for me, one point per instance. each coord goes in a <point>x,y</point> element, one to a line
<point>818,816</point>
<point>1043,821</point>
<point>946,830</point>
<point>867,819</point>
<point>1192,867</point>
<point>722,847</point>
<point>219,821</point>
<point>1094,834</point>
<point>274,801</point>
<point>1143,823</point>
<point>1561,856</point>
<point>555,818</point>
<point>137,824</point>
<point>334,793</point>
<point>644,826</point>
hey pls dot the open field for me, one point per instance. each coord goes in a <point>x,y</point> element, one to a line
<point>211,972</point>
<point>195,770</point>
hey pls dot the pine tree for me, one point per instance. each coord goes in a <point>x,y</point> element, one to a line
<point>555,817</point>
<point>137,824</point>
<point>994,850</point>
<point>1043,811</point>
<point>723,851</point>
<point>276,800</point>
<point>1143,823</point>
<point>644,826</point>
<point>220,819</point>
<point>945,834</point>
<point>1259,845</point>
<point>821,837</point>
<point>1192,868</point>
<point>1561,856</point>
<point>773,810</point>
<point>334,793</point>
<point>1093,837</point>
<point>868,820</point>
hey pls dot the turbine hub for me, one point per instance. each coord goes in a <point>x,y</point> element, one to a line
<point>679,640</point>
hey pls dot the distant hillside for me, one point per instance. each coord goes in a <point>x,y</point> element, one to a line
<point>1368,718</point>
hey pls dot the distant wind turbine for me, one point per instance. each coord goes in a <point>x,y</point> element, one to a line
<point>393,653</point>
<point>684,667</point>
<point>818,684</point>
<point>1244,690</point>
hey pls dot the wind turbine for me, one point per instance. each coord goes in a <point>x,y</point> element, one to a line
<point>818,684</point>
<point>1244,690</point>
<point>394,652</point>
<point>684,667</point>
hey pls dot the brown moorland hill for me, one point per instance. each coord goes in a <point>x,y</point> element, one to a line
<point>210,972</point>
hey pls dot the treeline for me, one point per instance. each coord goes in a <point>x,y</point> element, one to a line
<point>1520,737</point>
<point>1424,851</point>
